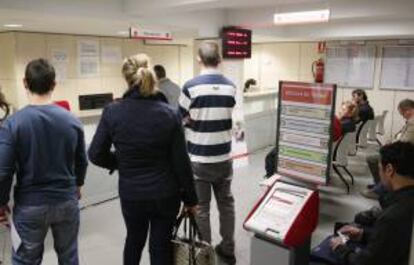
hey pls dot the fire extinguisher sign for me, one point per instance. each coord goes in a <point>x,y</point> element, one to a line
<point>321,47</point>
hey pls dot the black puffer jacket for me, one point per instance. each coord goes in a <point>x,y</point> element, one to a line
<point>150,150</point>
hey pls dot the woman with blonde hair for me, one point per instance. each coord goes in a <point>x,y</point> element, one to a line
<point>150,153</point>
<point>349,116</point>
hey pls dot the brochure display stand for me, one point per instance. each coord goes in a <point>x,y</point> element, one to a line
<point>283,221</point>
<point>285,217</point>
<point>304,132</point>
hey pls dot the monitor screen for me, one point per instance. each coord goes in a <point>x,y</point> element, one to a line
<point>237,43</point>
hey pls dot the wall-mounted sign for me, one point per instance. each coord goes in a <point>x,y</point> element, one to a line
<point>237,43</point>
<point>144,34</point>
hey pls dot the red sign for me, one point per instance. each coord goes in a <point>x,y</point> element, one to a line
<point>304,94</point>
<point>321,47</point>
<point>144,34</point>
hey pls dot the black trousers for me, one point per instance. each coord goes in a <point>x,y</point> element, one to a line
<point>156,217</point>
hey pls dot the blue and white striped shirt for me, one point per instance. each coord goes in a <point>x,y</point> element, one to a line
<point>208,100</point>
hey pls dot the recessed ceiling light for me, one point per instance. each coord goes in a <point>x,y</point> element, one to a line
<point>12,25</point>
<point>123,32</point>
<point>302,17</point>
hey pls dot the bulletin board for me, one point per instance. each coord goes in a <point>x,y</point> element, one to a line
<point>397,71</point>
<point>351,66</point>
<point>304,132</point>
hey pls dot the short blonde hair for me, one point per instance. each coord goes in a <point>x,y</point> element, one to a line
<point>136,72</point>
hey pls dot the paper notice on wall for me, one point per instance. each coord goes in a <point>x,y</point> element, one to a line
<point>60,61</point>
<point>233,69</point>
<point>111,54</point>
<point>88,58</point>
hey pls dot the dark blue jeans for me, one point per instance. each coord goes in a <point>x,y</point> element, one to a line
<point>156,216</point>
<point>32,224</point>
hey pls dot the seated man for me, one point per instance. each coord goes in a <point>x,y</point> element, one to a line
<point>388,242</point>
<point>360,98</point>
<point>406,134</point>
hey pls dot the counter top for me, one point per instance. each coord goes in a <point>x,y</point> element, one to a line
<point>260,93</point>
<point>88,113</point>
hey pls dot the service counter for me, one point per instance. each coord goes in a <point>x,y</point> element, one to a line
<point>99,185</point>
<point>260,119</point>
<point>260,112</point>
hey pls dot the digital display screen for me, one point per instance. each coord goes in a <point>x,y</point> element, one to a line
<point>237,43</point>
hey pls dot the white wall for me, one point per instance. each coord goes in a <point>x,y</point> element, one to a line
<point>7,67</point>
<point>272,62</point>
<point>19,48</point>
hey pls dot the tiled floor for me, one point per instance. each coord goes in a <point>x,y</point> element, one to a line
<point>102,229</point>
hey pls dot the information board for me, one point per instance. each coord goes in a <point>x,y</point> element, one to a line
<point>352,66</point>
<point>397,68</point>
<point>304,133</point>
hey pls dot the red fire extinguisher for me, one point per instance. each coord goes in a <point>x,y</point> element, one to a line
<point>318,69</point>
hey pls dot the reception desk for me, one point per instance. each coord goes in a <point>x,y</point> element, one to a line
<point>260,110</point>
<point>99,184</point>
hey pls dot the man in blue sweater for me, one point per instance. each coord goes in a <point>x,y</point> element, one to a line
<point>44,145</point>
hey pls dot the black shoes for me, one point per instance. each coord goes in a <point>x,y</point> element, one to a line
<point>228,259</point>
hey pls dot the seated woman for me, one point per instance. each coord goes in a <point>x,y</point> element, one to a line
<point>348,117</point>
<point>345,121</point>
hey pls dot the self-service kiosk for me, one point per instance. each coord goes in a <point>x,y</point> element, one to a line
<point>282,222</point>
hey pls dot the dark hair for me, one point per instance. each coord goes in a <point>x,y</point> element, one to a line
<point>406,104</point>
<point>360,93</point>
<point>249,82</point>
<point>40,76</point>
<point>160,71</point>
<point>4,106</point>
<point>209,53</point>
<point>400,155</point>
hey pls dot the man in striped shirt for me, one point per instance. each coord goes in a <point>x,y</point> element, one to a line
<point>207,103</point>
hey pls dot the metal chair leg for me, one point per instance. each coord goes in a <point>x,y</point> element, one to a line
<point>341,177</point>
<point>379,142</point>
<point>349,173</point>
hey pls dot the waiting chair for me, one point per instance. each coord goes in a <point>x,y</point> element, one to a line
<point>372,130</point>
<point>340,158</point>
<point>362,134</point>
<point>381,126</point>
<point>352,148</point>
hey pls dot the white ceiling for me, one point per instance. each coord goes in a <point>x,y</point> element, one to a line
<point>204,18</point>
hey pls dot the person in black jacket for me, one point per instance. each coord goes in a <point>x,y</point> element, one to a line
<point>388,242</point>
<point>150,154</point>
<point>360,98</point>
